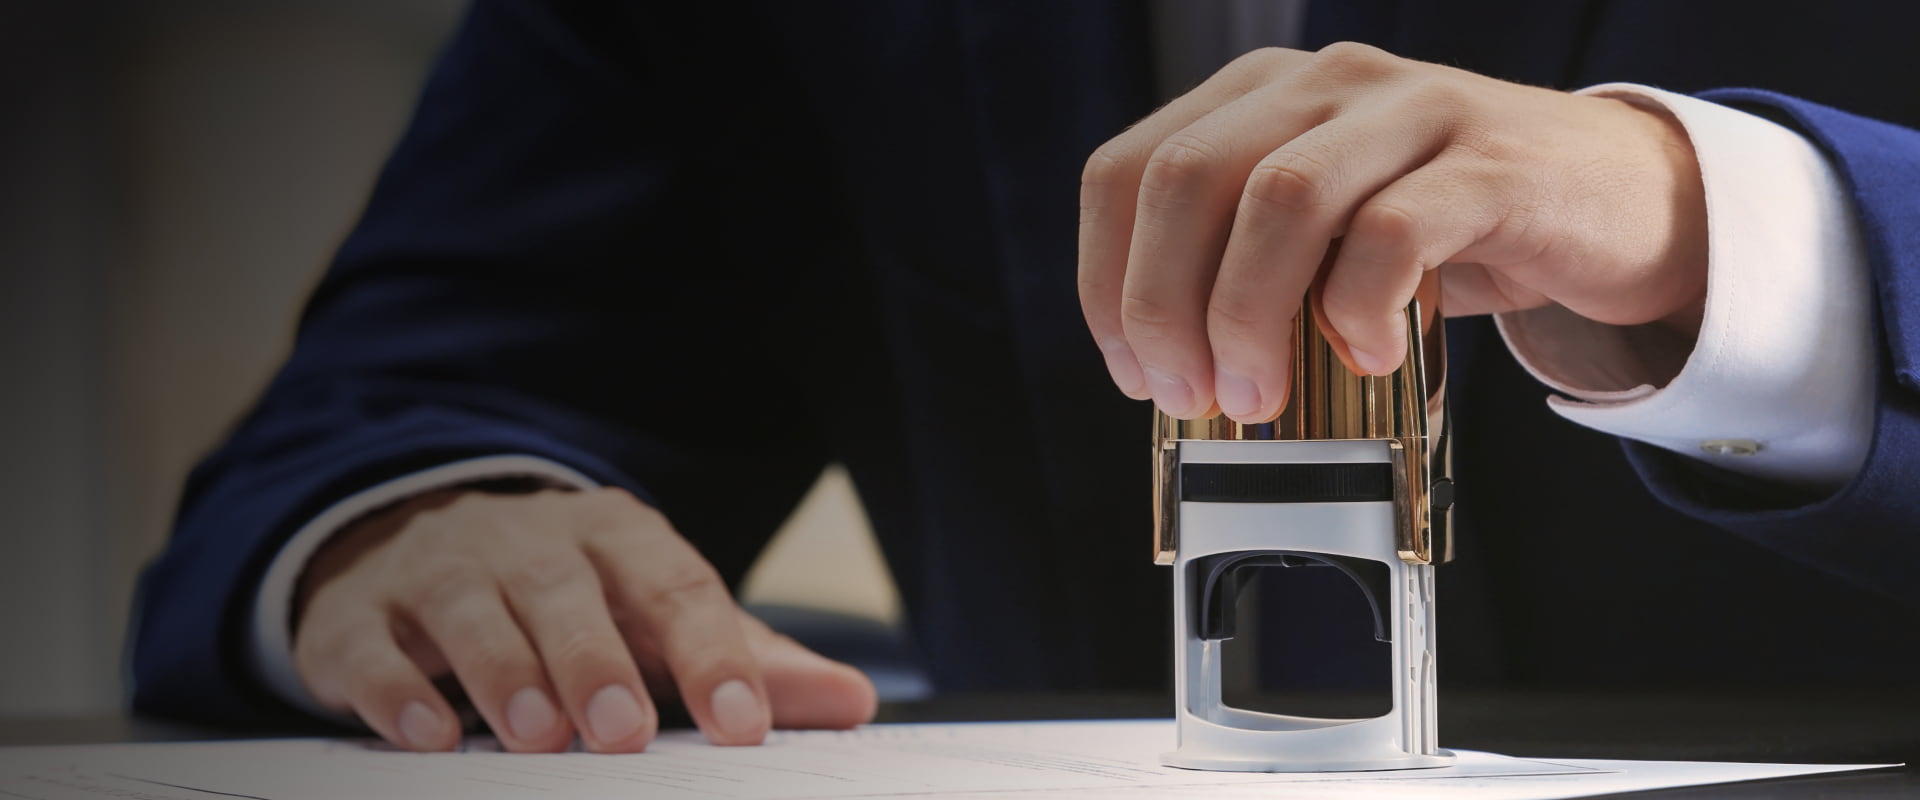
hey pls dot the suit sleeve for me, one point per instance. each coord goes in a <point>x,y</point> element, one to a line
<point>1865,531</point>
<point>582,250</point>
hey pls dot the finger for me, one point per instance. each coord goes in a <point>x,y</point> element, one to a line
<point>806,689</point>
<point>661,583</point>
<point>1414,225</point>
<point>1181,220</point>
<point>1106,225</point>
<point>1295,201</point>
<point>462,613</point>
<point>558,598</point>
<point>1109,193</point>
<point>351,661</point>
<point>1190,196</point>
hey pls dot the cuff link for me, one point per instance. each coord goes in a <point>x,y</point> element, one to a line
<point>1730,447</point>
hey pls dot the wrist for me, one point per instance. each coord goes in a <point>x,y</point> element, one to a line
<point>1785,359</point>
<point>1683,260</point>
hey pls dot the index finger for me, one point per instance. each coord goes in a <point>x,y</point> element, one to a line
<point>1110,192</point>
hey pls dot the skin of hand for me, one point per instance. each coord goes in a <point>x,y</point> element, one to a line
<point>559,613</point>
<point>1349,173</point>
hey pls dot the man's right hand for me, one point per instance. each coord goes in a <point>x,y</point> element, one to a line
<point>558,613</point>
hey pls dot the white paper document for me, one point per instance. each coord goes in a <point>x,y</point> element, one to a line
<point>978,761</point>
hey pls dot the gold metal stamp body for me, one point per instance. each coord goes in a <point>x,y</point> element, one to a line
<point>1327,401</point>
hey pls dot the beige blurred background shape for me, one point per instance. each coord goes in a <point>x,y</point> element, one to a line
<point>178,174</point>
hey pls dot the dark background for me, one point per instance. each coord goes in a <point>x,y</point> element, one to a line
<point>173,176</point>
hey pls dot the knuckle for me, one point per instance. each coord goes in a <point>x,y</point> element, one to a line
<point>1106,167</point>
<point>685,586</point>
<point>1266,55</point>
<point>1235,316</point>
<point>467,626</point>
<point>1484,142</point>
<point>438,582</point>
<point>709,654</point>
<point>1180,161</point>
<point>440,570</point>
<point>1289,181</point>
<point>543,572</point>
<point>1346,309</point>
<point>485,652</point>
<point>493,657</point>
<point>452,516</point>
<point>710,663</point>
<point>428,527</point>
<point>1091,213</point>
<point>611,499</point>
<point>1255,66</point>
<point>612,510</point>
<point>1146,316</point>
<point>1386,228</point>
<point>436,539</point>
<point>1441,94</point>
<point>1351,60</point>
<point>586,655</point>
<point>1254,59</point>
<point>1095,286</point>
<point>1184,153</point>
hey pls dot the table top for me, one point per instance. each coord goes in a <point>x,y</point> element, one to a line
<point>1812,727</point>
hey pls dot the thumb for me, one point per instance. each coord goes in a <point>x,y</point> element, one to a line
<point>806,689</point>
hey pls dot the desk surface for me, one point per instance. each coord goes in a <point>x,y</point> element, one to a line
<point>1831,727</point>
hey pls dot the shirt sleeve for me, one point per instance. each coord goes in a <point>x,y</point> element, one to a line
<point>1780,383</point>
<point>271,647</point>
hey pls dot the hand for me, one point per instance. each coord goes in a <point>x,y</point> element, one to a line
<point>1350,173</point>
<point>558,613</point>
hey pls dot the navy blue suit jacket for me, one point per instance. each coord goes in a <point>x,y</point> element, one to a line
<point>701,250</point>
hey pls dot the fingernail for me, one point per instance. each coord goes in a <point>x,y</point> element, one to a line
<point>736,711</point>
<point>1237,395</point>
<point>614,715</point>
<point>1125,368</point>
<point>529,715</point>
<point>1370,363</point>
<point>420,726</point>
<point>1170,392</point>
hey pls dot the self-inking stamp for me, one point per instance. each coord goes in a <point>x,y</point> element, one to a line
<point>1353,475</point>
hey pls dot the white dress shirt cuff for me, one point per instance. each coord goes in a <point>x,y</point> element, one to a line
<point>1779,384</point>
<point>271,648</point>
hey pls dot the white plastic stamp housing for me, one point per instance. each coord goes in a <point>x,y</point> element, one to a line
<point>1217,737</point>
